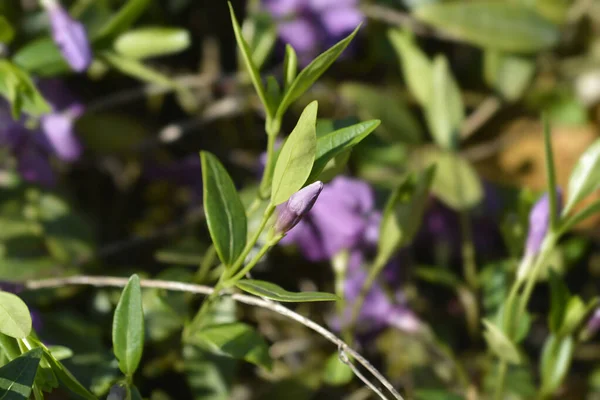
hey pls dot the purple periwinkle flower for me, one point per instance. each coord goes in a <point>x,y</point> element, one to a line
<point>299,204</point>
<point>310,26</point>
<point>55,135</point>
<point>539,223</point>
<point>343,218</point>
<point>70,36</point>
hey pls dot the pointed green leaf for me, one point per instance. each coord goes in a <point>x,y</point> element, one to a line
<point>555,361</point>
<point>336,142</point>
<point>290,66</point>
<point>416,67</point>
<point>128,327</point>
<point>585,177</point>
<point>403,213</point>
<point>41,57</point>
<point>296,157</point>
<point>225,214</point>
<point>18,88</point>
<point>500,25</point>
<point>500,344</point>
<point>312,72</point>
<point>15,320</point>
<point>122,20</point>
<point>236,340</point>
<point>16,377</point>
<point>445,110</point>
<point>277,293</point>
<point>249,62</point>
<point>151,42</point>
<point>66,377</point>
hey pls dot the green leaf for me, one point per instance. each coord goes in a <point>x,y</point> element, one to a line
<point>67,378</point>
<point>336,372</point>
<point>60,352</point>
<point>456,182</point>
<point>41,57</point>
<point>398,123</point>
<point>403,214</point>
<point>550,174</point>
<point>15,320</point>
<point>151,42</point>
<point>445,110</point>
<point>500,25</point>
<point>574,314</point>
<point>336,142</point>
<point>585,177</point>
<point>296,157</point>
<point>559,296</point>
<point>416,67</point>
<point>16,377</point>
<point>6,31</point>
<point>277,293</point>
<point>209,376</point>
<point>128,327</point>
<point>18,88</point>
<point>555,361</point>
<point>500,344</point>
<point>290,66</point>
<point>225,214</point>
<point>508,74</point>
<point>260,32</point>
<point>312,72</point>
<point>249,62</point>
<point>236,340</point>
<point>137,70</point>
<point>123,19</point>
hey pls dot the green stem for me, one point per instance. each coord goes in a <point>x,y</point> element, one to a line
<point>265,183</point>
<point>547,246</point>
<point>240,260</point>
<point>207,262</point>
<point>468,251</point>
<point>365,289</point>
<point>252,263</point>
<point>500,380</point>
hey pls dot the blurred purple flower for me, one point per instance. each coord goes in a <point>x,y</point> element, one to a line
<point>300,203</point>
<point>343,218</point>
<point>310,26</point>
<point>539,223</point>
<point>56,136</point>
<point>592,326</point>
<point>70,36</point>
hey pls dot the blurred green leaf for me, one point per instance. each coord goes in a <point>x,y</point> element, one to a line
<point>336,142</point>
<point>309,75</point>
<point>109,133</point>
<point>6,31</point>
<point>152,42</point>
<point>260,32</point>
<point>403,214</point>
<point>209,376</point>
<point>249,62</point>
<point>397,122</point>
<point>444,110</point>
<point>585,177</point>
<point>296,157</point>
<point>500,344</point>
<point>290,66</point>
<point>60,352</point>
<point>416,67</point>
<point>559,297</point>
<point>128,327</point>
<point>456,182</point>
<point>499,25</point>
<point>508,74</point>
<point>137,70</point>
<point>336,372</point>
<point>15,320</point>
<point>574,314</point>
<point>18,88</point>
<point>436,394</point>
<point>122,20</point>
<point>277,293</point>
<point>41,57</point>
<point>67,378</point>
<point>236,340</point>
<point>555,361</point>
<point>16,377</point>
<point>225,214</point>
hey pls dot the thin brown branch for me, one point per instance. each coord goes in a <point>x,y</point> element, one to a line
<point>104,281</point>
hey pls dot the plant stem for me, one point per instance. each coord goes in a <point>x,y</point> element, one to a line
<point>265,183</point>
<point>374,271</point>
<point>104,281</point>
<point>547,246</point>
<point>207,261</point>
<point>468,251</point>
<point>252,263</point>
<point>500,380</point>
<point>240,260</point>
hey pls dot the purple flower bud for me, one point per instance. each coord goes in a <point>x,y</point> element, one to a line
<point>70,36</point>
<point>300,203</point>
<point>117,392</point>
<point>539,222</point>
<point>592,326</point>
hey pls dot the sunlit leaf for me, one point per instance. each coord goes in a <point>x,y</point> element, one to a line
<point>277,293</point>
